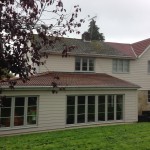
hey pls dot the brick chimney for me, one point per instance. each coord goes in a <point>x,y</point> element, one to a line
<point>86,37</point>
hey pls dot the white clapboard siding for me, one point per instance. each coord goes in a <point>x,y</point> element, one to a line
<point>58,63</point>
<point>138,73</point>
<point>52,108</point>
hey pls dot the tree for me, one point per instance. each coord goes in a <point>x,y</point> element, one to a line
<point>94,31</point>
<point>20,20</point>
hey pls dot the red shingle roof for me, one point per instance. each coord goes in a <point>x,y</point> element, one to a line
<point>123,48</point>
<point>133,50</point>
<point>75,80</point>
<point>140,46</point>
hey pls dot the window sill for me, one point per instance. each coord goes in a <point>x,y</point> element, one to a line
<point>84,71</point>
<point>94,123</point>
<point>18,127</point>
<point>121,72</point>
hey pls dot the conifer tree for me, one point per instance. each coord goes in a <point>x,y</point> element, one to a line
<point>94,31</point>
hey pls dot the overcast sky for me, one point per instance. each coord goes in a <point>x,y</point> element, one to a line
<point>124,21</point>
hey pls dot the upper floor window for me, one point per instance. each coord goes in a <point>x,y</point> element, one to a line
<point>84,64</point>
<point>149,66</point>
<point>120,65</point>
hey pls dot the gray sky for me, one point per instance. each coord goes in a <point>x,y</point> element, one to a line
<point>124,21</point>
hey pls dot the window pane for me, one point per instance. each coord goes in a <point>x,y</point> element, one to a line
<point>101,108</point>
<point>148,96</point>
<point>91,117</point>
<point>19,111</point>
<point>119,116</point>
<point>119,107</point>
<point>4,122</point>
<point>111,116</point>
<point>71,100</point>
<point>101,116</point>
<point>5,112</point>
<point>101,99</point>
<point>81,99</point>
<point>81,118</point>
<point>91,108</point>
<point>70,119</point>
<point>91,99</point>
<point>120,65</point>
<point>84,64</point>
<point>126,66</point>
<point>32,101</point>
<point>110,107</point>
<point>70,109</point>
<point>6,102</point>
<point>91,64</point>
<point>77,64</point>
<point>18,121</point>
<point>81,109</point>
<point>115,65</point>
<point>19,101</point>
<point>32,111</point>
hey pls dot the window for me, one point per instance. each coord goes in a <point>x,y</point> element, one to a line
<point>18,111</point>
<point>84,64</point>
<point>120,66</point>
<point>149,66</point>
<point>85,109</point>
<point>148,96</point>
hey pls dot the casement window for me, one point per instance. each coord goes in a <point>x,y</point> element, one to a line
<point>120,66</point>
<point>149,66</point>
<point>148,96</point>
<point>84,64</point>
<point>18,111</point>
<point>94,108</point>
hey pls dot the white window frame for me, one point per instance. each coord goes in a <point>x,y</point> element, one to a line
<point>96,109</point>
<point>25,112</point>
<point>88,64</point>
<point>116,65</point>
<point>148,66</point>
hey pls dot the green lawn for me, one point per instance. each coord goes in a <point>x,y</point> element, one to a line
<point>118,137</point>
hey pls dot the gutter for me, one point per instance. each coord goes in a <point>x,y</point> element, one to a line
<point>68,88</point>
<point>92,55</point>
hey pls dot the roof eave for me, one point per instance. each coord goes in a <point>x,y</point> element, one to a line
<point>93,55</point>
<point>68,88</point>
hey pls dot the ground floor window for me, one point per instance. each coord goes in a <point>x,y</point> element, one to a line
<point>94,108</point>
<point>18,111</point>
<point>148,96</point>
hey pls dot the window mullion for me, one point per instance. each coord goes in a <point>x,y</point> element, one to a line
<point>81,64</point>
<point>12,112</point>
<point>88,66</point>
<point>86,109</point>
<point>106,107</point>
<point>25,110</point>
<point>76,107</point>
<point>96,108</point>
<point>114,107</point>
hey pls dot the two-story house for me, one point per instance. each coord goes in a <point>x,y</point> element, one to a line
<point>96,84</point>
<point>130,62</point>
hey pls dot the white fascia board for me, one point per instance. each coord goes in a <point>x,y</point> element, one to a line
<point>144,51</point>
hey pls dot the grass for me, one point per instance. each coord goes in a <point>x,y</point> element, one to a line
<point>118,137</point>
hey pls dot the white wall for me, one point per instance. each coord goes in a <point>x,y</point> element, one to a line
<point>138,70</point>
<point>52,108</point>
<point>58,63</point>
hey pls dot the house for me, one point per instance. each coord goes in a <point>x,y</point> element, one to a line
<point>94,86</point>
<point>130,62</point>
